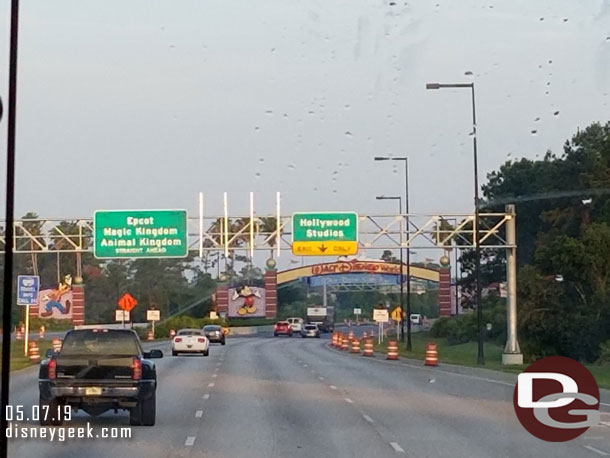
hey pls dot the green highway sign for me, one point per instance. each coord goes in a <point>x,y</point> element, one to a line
<point>325,233</point>
<point>140,234</point>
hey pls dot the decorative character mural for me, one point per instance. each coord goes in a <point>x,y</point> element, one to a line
<point>247,301</point>
<point>57,302</point>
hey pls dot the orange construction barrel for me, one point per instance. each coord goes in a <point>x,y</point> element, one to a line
<point>34,352</point>
<point>355,346</point>
<point>392,350</point>
<point>150,336</point>
<point>431,354</point>
<point>56,344</point>
<point>368,347</point>
<point>345,344</point>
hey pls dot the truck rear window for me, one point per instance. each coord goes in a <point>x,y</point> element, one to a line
<point>111,342</point>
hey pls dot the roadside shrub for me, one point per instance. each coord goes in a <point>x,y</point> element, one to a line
<point>604,353</point>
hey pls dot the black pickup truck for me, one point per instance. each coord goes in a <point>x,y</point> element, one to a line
<point>98,370</point>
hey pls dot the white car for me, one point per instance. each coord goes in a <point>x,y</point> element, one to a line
<point>190,341</point>
<point>296,324</point>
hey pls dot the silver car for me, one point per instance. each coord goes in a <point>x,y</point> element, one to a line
<point>310,330</point>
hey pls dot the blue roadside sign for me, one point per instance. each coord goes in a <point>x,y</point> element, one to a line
<point>27,289</point>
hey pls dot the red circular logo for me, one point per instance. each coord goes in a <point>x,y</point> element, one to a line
<point>556,399</point>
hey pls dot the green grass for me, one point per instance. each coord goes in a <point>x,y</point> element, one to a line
<point>18,358</point>
<point>466,354</point>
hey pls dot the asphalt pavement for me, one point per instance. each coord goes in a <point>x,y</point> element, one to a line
<point>285,397</point>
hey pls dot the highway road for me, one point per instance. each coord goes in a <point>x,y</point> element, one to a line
<point>285,397</point>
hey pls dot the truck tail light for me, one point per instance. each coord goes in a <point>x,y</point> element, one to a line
<point>137,369</point>
<point>201,339</point>
<point>178,339</point>
<point>52,369</point>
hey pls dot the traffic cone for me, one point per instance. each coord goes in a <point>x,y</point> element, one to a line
<point>345,344</point>
<point>368,347</point>
<point>150,336</point>
<point>364,335</point>
<point>355,346</point>
<point>334,340</point>
<point>34,352</point>
<point>392,350</point>
<point>42,330</point>
<point>172,333</point>
<point>431,354</point>
<point>56,345</point>
<point>350,335</point>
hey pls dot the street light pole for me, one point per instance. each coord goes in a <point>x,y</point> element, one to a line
<point>402,282</point>
<point>408,317</point>
<point>477,235</point>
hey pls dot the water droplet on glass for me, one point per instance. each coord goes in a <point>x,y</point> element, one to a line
<point>534,132</point>
<point>285,115</point>
<point>257,175</point>
<point>348,134</point>
<point>556,113</point>
<point>550,61</point>
<point>291,167</point>
<point>269,112</point>
<point>311,112</point>
<point>256,129</point>
<point>541,19</point>
<point>272,50</point>
<point>392,3</point>
<point>472,134</point>
<point>334,191</point>
<point>347,107</point>
<point>261,160</point>
<point>468,73</point>
<point>315,189</point>
<point>537,119</point>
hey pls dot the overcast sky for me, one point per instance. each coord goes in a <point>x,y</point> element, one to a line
<point>144,103</point>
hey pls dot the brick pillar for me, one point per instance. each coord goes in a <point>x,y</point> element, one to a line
<point>444,291</point>
<point>222,300</point>
<point>271,294</point>
<point>78,304</point>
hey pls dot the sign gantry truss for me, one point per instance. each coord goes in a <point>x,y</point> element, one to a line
<point>254,233</point>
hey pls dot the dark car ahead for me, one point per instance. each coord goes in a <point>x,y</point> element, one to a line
<point>282,328</point>
<point>98,370</point>
<point>214,333</point>
<point>310,330</point>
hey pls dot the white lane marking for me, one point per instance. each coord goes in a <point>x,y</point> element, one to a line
<point>592,437</point>
<point>190,440</point>
<point>199,414</point>
<point>596,450</point>
<point>206,396</point>
<point>397,448</point>
<point>211,384</point>
<point>321,378</point>
<point>605,404</point>
<point>348,400</point>
<point>214,375</point>
<point>367,418</point>
<point>304,365</point>
<point>333,387</point>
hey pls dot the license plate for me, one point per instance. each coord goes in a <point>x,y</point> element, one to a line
<point>93,391</point>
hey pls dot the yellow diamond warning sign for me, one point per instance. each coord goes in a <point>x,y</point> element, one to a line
<point>396,315</point>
